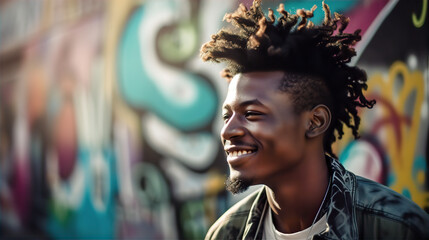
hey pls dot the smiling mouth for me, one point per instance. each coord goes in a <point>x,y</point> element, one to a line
<point>239,153</point>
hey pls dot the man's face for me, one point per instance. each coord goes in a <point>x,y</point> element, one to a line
<point>263,137</point>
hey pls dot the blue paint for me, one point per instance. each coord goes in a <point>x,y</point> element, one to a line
<point>406,193</point>
<point>344,155</point>
<point>139,90</point>
<point>391,179</point>
<point>419,165</point>
<point>86,221</point>
<point>335,6</point>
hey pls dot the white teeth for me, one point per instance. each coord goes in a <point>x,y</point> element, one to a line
<point>239,153</point>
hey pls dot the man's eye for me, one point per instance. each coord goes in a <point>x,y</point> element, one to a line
<point>225,117</point>
<point>252,115</point>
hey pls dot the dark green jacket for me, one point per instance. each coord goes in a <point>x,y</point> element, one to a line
<point>358,208</point>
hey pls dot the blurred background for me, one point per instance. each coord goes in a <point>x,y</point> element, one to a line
<point>109,121</point>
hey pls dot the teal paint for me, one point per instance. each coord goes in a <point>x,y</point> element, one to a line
<point>139,90</point>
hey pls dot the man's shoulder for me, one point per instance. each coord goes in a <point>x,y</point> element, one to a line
<point>376,202</point>
<point>232,223</point>
<point>371,195</point>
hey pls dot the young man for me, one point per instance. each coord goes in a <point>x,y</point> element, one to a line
<point>289,90</point>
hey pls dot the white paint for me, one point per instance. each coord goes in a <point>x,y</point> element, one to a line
<point>172,83</point>
<point>187,183</point>
<point>123,164</point>
<point>194,149</point>
<point>361,155</point>
<point>412,62</point>
<point>101,182</point>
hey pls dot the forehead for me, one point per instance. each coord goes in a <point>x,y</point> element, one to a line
<point>254,85</point>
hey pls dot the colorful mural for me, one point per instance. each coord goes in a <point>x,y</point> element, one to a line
<point>398,80</point>
<point>109,121</point>
<point>175,99</point>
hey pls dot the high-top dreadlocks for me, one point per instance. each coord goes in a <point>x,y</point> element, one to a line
<point>313,57</point>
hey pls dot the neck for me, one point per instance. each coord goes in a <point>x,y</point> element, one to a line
<point>296,199</point>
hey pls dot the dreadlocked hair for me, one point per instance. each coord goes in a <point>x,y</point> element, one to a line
<point>314,59</point>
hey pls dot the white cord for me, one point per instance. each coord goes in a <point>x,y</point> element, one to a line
<point>318,211</point>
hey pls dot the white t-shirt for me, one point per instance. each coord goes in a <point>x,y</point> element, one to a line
<point>271,233</point>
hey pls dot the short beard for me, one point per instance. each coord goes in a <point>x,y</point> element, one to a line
<point>236,185</point>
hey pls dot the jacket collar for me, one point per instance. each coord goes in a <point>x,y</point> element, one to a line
<point>340,208</point>
<point>255,220</point>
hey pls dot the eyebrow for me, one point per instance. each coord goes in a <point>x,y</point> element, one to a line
<point>246,103</point>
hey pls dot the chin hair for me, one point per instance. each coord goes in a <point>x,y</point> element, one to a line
<point>236,185</point>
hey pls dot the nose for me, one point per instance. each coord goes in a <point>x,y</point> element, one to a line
<point>232,129</point>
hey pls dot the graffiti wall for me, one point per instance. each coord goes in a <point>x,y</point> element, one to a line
<point>394,143</point>
<point>167,109</point>
<point>110,123</point>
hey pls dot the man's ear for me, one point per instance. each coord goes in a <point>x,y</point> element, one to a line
<point>319,121</point>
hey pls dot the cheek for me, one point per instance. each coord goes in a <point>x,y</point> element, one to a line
<point>287,139</point>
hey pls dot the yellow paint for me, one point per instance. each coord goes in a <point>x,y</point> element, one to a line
<point>214,184</point>
<point>118,13</point>
<point>418,23</point>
